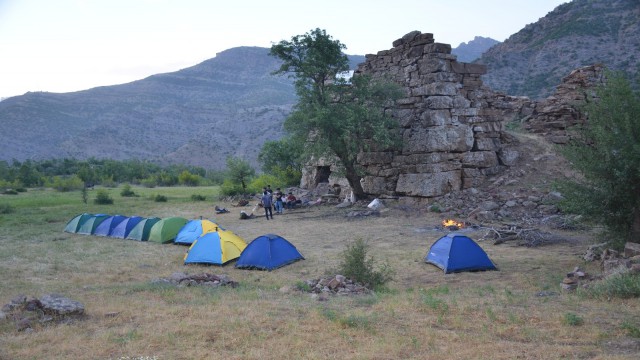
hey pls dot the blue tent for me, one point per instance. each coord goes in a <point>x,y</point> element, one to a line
<point>456,252</point>
<point>193,230</point>
<point>89,225</point>
<point>217,248</point>
<point>108,224</point>
<point>124,228</point>
<point>268,252</point>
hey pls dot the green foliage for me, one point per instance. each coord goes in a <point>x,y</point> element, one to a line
<point>10,192</point>
<point>6,209</point>
<point>198,197</point>
<point>188,179</point>
<point>66,183</point>
<point>303,286</point>
<point>230,188</point>
<point>149,182</point>
<point>625,286</point>
<point>160,198</point>
<point>429,298</point>
<point>283,159</point>
<point>356,265</point>
<point>632,330</point>
<point>608,157</point>
<point>103,198</point>
<point>345,118</point>
<point>239,171</point>
<point>572,319</point>
<point>260,182</point>
<point>126,191</point>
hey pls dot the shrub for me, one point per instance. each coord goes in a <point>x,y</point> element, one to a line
<point>198,197</point>
<point>572,319</point>
<point>160,198</point>
<point>126,191</point>
<point>10,192</point>
<point>257,184</point>
<point>103,198</point>
<point>149,182</point>
<point>6,209</point>
<point>229,188</point>
<point>64,184</point>
<point>356,265</point>
<point>188,179</point>
<point>624,285</point>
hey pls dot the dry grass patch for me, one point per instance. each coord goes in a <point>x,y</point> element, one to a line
<point>425,314</point>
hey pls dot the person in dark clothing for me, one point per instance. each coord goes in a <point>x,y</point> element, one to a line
<point>267,202</point>
<point>279,204</point>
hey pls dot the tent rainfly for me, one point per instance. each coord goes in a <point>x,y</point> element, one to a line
<point>456,253</point>
<point>107,225</point>
<point>165,230</point>
<point>193,230</point>
<point>124,228</point>
<point>268,252</point>
<point>74,224</point>
<point>89,226</point>
<point>216,248</point>
<point>141,231</point>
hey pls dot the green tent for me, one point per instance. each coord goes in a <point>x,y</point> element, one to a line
<point>90,225</point>
<point>141,231</point>
<point>165,230</point>
<point>74,224</point>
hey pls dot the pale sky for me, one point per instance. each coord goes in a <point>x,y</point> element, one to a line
<point>70,45</point>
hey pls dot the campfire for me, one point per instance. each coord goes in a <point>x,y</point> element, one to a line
<point>452,225</point>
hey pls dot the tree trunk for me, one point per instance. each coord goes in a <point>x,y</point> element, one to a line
<point>354,181</point>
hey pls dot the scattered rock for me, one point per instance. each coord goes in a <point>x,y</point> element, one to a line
<point>337,285</point>
<point>203,279</point>
<point>27,311</point>
<point>631,249</point>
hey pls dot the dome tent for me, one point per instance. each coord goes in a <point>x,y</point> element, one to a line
<point>268,252</point>
<point>165,230</point>
<point>124,228</point>
<point>141,231</point>
<point>74,224</point>
<point>216,248</point>
<point>455,253</point>
<point>89,226</point>
<point>107,225</point>
<point>193,230</point>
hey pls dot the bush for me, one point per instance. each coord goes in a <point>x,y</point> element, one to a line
<point>257,184</point>
<point>6,209</point>
<point>64,184</point>
<point>198,197</point>
<point>149,182</point>
<point>572,319</point>
<point>160,198</point>
<point>103,198</point>
<point>229,188</point>
<point>126,191</point>
<point>10,192</point>
<point>623,286</point>
<point>357,266</point>
<point>188,179</point>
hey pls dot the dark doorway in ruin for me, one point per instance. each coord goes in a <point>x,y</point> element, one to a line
<point>322,174</point>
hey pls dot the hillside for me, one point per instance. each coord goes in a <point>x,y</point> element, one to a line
<point>228,105</point>
<point>583,32</point>
<point>468,52</point>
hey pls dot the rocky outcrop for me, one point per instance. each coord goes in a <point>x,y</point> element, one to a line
<point>451,138</point>
<point>556,116</point>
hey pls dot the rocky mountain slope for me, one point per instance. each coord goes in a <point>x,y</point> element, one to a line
<point>472,50</point>
<point>228,105</point>
<point>579,33</point>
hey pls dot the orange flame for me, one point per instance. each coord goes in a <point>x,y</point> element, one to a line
<point>449,222</point>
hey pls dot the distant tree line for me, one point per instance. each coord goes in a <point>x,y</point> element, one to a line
<point>69,174</point>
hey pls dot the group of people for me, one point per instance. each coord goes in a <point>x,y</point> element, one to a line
<point>276,201</point>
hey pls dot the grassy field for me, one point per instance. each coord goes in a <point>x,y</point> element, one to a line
<point>424,314</point>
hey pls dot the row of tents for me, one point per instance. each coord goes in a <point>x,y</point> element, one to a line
<point>209,243</point>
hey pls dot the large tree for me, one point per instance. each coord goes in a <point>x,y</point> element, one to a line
<point>608,157</point>
<point>338,117</point>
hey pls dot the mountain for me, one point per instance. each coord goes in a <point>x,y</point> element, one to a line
<point>579,33</point>
<point>468,52</point>
<point>227,105</point>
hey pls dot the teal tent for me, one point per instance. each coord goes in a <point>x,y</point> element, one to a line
<point>141,231</point>
<point>89,226</point>
<point>74,224</point>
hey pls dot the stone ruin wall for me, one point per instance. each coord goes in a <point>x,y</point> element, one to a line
<point>452,135</point>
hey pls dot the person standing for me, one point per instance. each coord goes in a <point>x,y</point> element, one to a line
<point>267,202</point>
<point>279,201</point>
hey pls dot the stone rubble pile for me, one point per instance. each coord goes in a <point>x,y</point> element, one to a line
<point>27,312</point>
<point>336,285</point>
<point>574,279</point>
<point>203,279</point>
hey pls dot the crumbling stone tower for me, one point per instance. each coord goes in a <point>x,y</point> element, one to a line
<point>451,138</point>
